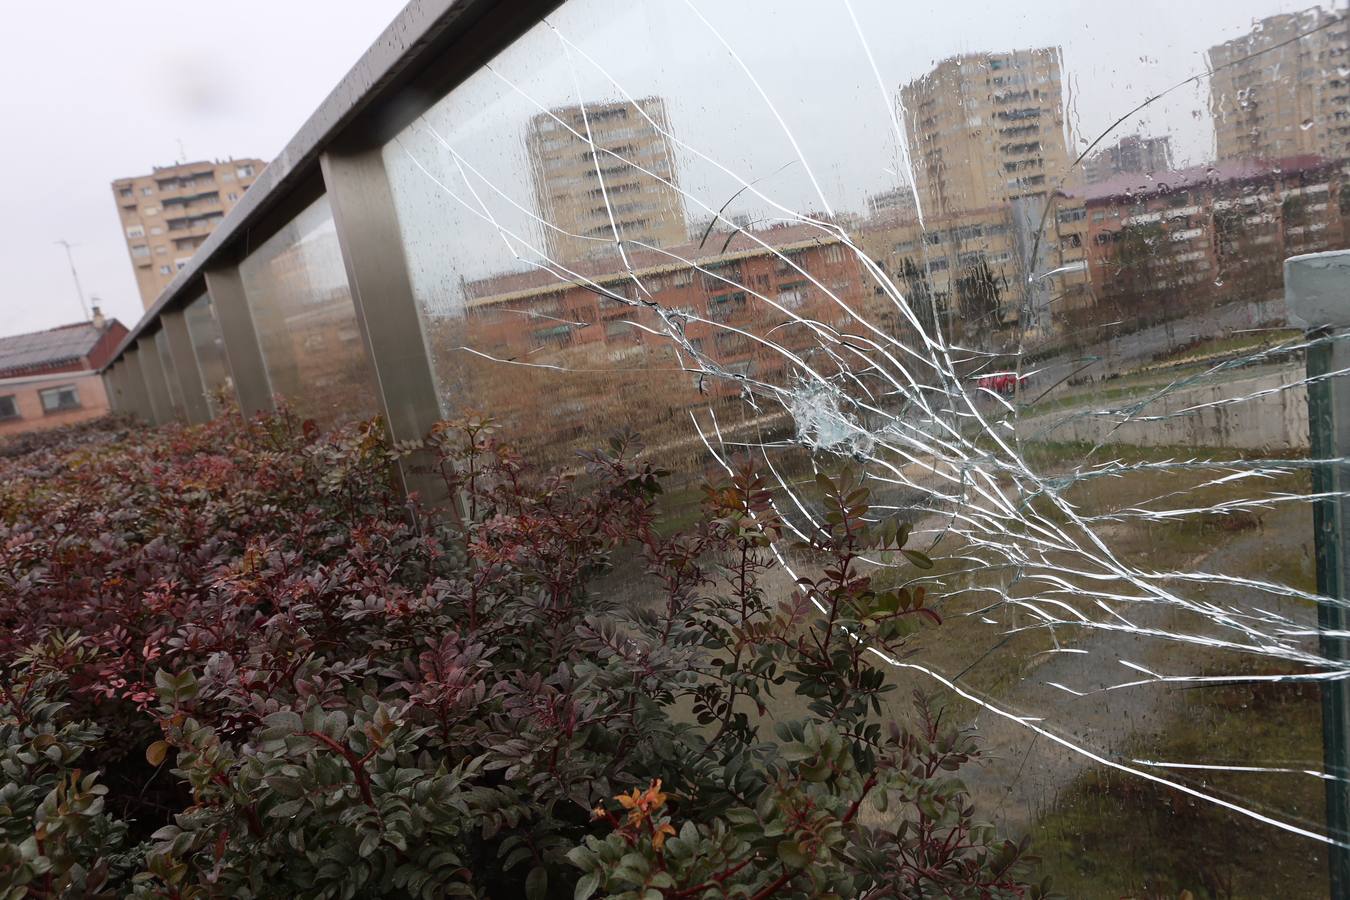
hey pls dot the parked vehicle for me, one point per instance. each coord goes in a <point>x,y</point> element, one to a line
<point>1004,383</point>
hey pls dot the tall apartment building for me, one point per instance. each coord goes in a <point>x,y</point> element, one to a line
<point>1275,94</point>
<point>1132,154</point>
<point>985,128</point>
<point>167,214</point>
<point>586,193</point>
<point>991,163</point>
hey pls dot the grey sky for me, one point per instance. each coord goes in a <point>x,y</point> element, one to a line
<point>107,90</point>
<point>92,91</point>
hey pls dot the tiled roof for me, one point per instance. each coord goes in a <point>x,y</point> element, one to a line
<point>62,345</point>
<point>1135,183</point>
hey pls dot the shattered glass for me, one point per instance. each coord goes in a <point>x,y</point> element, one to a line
<point>1024,269</point>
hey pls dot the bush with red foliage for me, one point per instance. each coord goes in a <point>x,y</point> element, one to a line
<point>235,662</point>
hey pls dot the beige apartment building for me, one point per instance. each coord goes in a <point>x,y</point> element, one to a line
<point>985,128</point>
<point>621,180</point>
<point>1275,94</point>
<point>990,155</point>
<point>169,213</point>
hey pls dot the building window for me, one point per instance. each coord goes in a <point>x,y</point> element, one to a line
<point>161,249</point>
<point>244,171</point>
<point>60,398</point>
<point>147,191</point>
<point>165,270</point>
<point>150,211</point>
<point>135,231</point>
<point>125,192</point>
<point>233,196</point>
<point>8,408</point>
<point>140,250</point>
<point>156,230</point>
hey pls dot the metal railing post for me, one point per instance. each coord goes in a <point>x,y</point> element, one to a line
<point>1317,291</point>
<point>386,309</point>
<point>252,385</point>
<point>196,407</point>
<point>138,393</point>
<point>156,385</point>
<point>112,386</point>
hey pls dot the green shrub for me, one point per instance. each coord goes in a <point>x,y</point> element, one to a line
<point>238,664</point>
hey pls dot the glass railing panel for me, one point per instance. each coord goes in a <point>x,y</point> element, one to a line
<point>305,321</point>
<point>1023,270</point>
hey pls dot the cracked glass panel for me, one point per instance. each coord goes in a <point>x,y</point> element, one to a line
<point>1021,268</point>
<point>306,324</point>
<point>208,347</point>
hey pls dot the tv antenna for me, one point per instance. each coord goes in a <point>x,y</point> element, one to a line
<point>70,258</point>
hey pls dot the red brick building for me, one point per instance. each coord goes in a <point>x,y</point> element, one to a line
<point>609,360</point>
<point>1210,234</point>
<point>50,378</point>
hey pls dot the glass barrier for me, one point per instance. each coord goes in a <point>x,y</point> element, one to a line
<point>1021,268</point>
<point>306,324</point>
<point>208,346</point>
<point>174,385</point>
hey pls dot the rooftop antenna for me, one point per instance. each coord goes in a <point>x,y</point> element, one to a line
<point>182,154</point>
<point>76,275</point>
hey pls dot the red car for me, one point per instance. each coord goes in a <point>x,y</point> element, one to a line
<point>1005,383</point>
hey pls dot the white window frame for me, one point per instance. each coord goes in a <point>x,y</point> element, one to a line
<point>73,389</point>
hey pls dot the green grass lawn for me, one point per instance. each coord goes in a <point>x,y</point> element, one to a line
<point>1114,835</point>
<point>1111,835</point>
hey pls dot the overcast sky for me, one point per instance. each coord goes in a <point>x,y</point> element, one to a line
<point>91,91</point>
<point>95,91</point>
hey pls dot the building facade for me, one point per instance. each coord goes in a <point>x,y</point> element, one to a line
<point>1001,206</point>
<point>605,171</point>
<point>1206,234</point>
<point>1132,153</point>
<point>50,378</point>
<point>1281,91</point>
<point>168,214</point>
<point>744,302</point>
<point>971,269</point>
<point>985,128</point>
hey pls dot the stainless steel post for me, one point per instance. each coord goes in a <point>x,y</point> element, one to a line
<point>1317,290</point>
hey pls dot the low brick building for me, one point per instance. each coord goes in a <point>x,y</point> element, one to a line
<point>50,378</point>
<point>1210,234</point>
